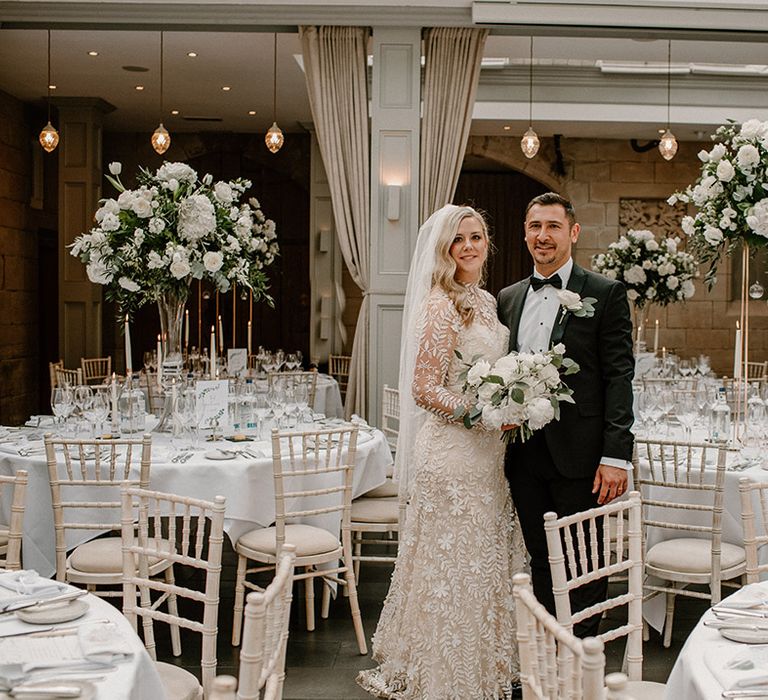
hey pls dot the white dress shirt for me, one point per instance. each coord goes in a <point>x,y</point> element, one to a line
<point>540,311</point>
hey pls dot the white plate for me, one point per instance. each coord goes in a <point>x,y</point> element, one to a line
<point>53,613</point>
<point>215,454</point>
<point>745,636</point>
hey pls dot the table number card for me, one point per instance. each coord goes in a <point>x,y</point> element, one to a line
<point>212,401</point>
<point>237,362</point>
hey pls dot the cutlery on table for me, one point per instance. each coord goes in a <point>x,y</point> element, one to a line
<point>38,602</point>
<point>737,623</point>
<point>59,690</point>
<point>723,610</point>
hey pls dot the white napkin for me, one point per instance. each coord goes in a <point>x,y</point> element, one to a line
<point>746,668</point>
<point>18,585</point>
<point>103,642</point>
<point>39,421</point>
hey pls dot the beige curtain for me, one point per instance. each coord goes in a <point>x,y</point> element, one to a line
<point>452,70</point>
<point>336,71</point>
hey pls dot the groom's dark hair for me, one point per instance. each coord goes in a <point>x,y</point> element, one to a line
<point>554,198</point>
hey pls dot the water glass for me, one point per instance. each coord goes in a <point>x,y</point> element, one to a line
<point>61,404</point>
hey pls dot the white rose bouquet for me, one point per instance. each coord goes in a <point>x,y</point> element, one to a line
<point>652,271</point>
<point>174,228</point>
<point>731,194</point>
<point>521,389</point>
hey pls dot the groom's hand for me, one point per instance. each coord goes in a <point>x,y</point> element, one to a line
<point>610,482</point>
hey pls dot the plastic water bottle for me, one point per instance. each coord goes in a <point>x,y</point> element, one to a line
<point>721,418</point>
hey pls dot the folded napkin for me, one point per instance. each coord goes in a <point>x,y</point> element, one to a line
<point>39,421</point>
<point>17,585</point>
<point>103,642</point>
<point>746,668</point>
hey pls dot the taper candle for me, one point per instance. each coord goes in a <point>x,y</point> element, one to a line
<point>737,353</point>
<point>113,389</point>
<point>128,358</point>
<point>221,336</point>
<point>186,328</point>
<point>250,341</point>
<point>656,338</point>
<point>159,361</point>
<point>213,352</point>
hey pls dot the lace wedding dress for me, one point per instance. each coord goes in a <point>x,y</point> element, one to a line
<point>447,630</point>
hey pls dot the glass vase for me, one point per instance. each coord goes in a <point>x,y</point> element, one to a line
<point>170,305</point>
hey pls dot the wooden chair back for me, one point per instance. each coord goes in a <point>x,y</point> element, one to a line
<point>302,463</point>
<point>338,368</point>
<point>69,377</point>
<point>153,391</point>
<point>265,634</point>
<point>288,378</point>
<point>554,663</point>
<point>390,414</point>
<point>675,472</point>
<point>196,527</point>
<point>52,368</point>
<point>749,491</point>
<point>757,370</point>
<point>85,478</point>
<point>10,551</point>
<point>96,370</point>
<point>578,545</point>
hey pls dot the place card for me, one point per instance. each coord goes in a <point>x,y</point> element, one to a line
<point>237,362</point>
<point>212,399</point>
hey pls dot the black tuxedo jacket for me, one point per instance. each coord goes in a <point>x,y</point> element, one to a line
<point>599,422</point>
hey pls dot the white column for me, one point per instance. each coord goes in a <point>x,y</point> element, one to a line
<point>395,114</point>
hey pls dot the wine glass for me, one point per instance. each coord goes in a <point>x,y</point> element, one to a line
<point>702,364</point>
<point>98,409</point>
<point>260,403</point>
<point>61,404</point>
<point>667,404</point>
<point>291,362</point>
<point>302,400</point>
<point>686,411</point>
<point>291,408</point>
<point>685,368</point>
<point>276,398</point>
<point>80,396</point>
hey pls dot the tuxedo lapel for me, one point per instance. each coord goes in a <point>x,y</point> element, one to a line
<point>576,283</point>
<point>516,311</point>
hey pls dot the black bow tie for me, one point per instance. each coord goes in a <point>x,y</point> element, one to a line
<point>537,282</point>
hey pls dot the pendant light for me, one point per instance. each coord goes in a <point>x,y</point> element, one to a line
<point>668,142</point>
<point>274,137</point>
<point>161,139</point>
<point>530,141</point>
<point>49,137</point>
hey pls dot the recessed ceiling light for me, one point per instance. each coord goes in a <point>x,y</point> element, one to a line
<point>139,87</point>
<point>507,127</point>
<point>226,88</point>
<point>192,54</point>
<point>93,53</point>
<point>252,112</point>
<point>51,87</point>
<point>174,111</point>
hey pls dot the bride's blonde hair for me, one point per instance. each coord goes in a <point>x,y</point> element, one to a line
<point>443,276</point>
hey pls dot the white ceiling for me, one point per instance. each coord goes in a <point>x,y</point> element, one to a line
<point>571,95</point>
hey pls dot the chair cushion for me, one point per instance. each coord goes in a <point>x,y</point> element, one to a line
<point>307,539</point>
<point>105,556</point>
<point>691,555</point>
<point>375,510</point>
<point>387,490</point>
<point>178,683</point>
<point>646,690</point>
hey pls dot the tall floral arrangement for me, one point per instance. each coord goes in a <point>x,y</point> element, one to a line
<point>731,194</point>
<point>174,227</point>
<point>653,271</point>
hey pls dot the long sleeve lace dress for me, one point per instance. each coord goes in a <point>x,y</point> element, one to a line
<point>447,630</point>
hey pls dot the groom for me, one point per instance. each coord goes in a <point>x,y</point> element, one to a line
<point>581,460</point>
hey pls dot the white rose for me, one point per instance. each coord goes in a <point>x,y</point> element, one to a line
<point>180,269</point>
<point>650,293</point>
<point>172,185</point>
<point>97,273</point>
<point>549,375</point>
<point>570,300</point>
<point>748,156</point>
<point>717,152</point>
<point>115,168</point>
<point>176,171</point>
<point>125,200</point>
<point>207,179</point>
<point>725,170</point>
<point>688,289</point>
<point>687,224</point>
<point>492,417</point>
<point>223,192</point>
<point>632,294</point>
<point>142,207</point>
<point>672,245</point>
<point>611,274</point>
<point>540,412</point>
<point>667,268</point>
<point>635,275</point>
<point>128,284</point>
<point>213,261</point>
<point>752,128</point>
<point>703,156</point>
<point>673,282</point>
<point>757,218</point>
<point>110,222</point>
<point>713,236</point>
<point>651,245</point>
<point>485,392</point>
<point>110,206</point>
<point>559,349</point>
<point>477,372</point>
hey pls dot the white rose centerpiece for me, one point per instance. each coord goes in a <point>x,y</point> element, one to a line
<point>521,389</point>
<point>152,241</point>
<point>653,271</point>
<point>731,194</point>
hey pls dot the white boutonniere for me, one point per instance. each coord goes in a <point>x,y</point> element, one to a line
<point>574,304</point>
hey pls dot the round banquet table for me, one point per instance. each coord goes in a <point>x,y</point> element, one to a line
<point>247,484</point>
<point>702,671</point>
<point>136,678</point>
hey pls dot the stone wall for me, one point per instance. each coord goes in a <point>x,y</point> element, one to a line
<point>19,333</point>
<point>600,173</point>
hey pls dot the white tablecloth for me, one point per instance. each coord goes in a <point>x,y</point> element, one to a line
<point>134,679</point>
<point>701,673</point>
<point>246,483</point>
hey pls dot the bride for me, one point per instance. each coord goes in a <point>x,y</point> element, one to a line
<point>447,629</point>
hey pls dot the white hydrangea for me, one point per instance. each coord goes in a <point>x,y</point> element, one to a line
<point>635,275</point>
<point>176,171</point>
<point>688,289</point>
<point>197,217</point>
<point>673,282</point>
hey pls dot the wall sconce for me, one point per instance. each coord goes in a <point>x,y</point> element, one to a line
<point>324,240</point>
<point>393,202</point>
